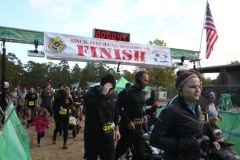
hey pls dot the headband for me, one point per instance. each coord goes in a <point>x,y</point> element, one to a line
<point>191,76</point>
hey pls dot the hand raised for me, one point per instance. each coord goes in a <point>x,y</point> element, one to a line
<point>106,88</point>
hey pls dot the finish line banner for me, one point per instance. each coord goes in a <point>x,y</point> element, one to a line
<point>85,49</point>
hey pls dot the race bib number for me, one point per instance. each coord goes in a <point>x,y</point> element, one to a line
<point>31,103</point>
<point>108,127</point>
<point>137,121</point>
<point>63,111</point>
<point>72,120</point>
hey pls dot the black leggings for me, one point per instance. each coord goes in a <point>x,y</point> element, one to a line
<point>135,140</point>
<point>103,150</point>
<point>61,123</point>
<point>39,136</point>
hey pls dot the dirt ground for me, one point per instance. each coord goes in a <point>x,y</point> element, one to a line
<point>49,151</point>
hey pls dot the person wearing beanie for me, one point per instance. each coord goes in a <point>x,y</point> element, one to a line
<point>179,130</point>
<point>215,132</point>
<point>212,110</point>
<point>101,120</point>
<point>225,152</point>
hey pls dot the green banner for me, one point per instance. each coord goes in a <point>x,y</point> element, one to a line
<point>20,35</point>
<point>178,53</point>
<point>231,128</point>
<point>28,36</point>
<point>14,140</point>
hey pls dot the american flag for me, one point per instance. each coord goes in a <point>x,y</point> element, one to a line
<point>211,31</point>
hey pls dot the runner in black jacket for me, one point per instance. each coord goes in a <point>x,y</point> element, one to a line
<point>130,105</point>
<point>178,131</point>
<point>61,106</point>
<point>101,119</point>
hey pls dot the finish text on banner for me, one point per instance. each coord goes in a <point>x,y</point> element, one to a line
<point>76,48</point>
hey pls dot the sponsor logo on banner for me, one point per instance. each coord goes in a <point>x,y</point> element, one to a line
<point>56,44</point>
<point>160,56</point>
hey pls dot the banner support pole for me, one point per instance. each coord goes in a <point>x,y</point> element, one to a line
<point>3,95</point>
<point>118,66</point>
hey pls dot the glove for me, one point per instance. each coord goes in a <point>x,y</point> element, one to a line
<point>203,142</point>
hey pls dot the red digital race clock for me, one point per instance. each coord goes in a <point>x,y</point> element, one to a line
<point>112,35</point>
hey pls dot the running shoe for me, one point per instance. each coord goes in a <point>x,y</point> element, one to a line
<point>65,146</point>
<point>54,141</point>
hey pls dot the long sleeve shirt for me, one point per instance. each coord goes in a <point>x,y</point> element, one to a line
<point>130,105</point>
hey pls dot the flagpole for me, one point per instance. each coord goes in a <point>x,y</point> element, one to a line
<point>202,35</point>
<point>203,27</point>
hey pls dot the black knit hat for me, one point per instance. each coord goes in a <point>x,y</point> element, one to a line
<point>108,79</point>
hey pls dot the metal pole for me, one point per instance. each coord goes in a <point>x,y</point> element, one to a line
<point>8,117</point>
<point>194,65</point>
<point>3,95</point>
<point>118,66</point>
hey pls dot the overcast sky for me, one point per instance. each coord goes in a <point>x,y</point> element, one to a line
<point>178,22</point>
